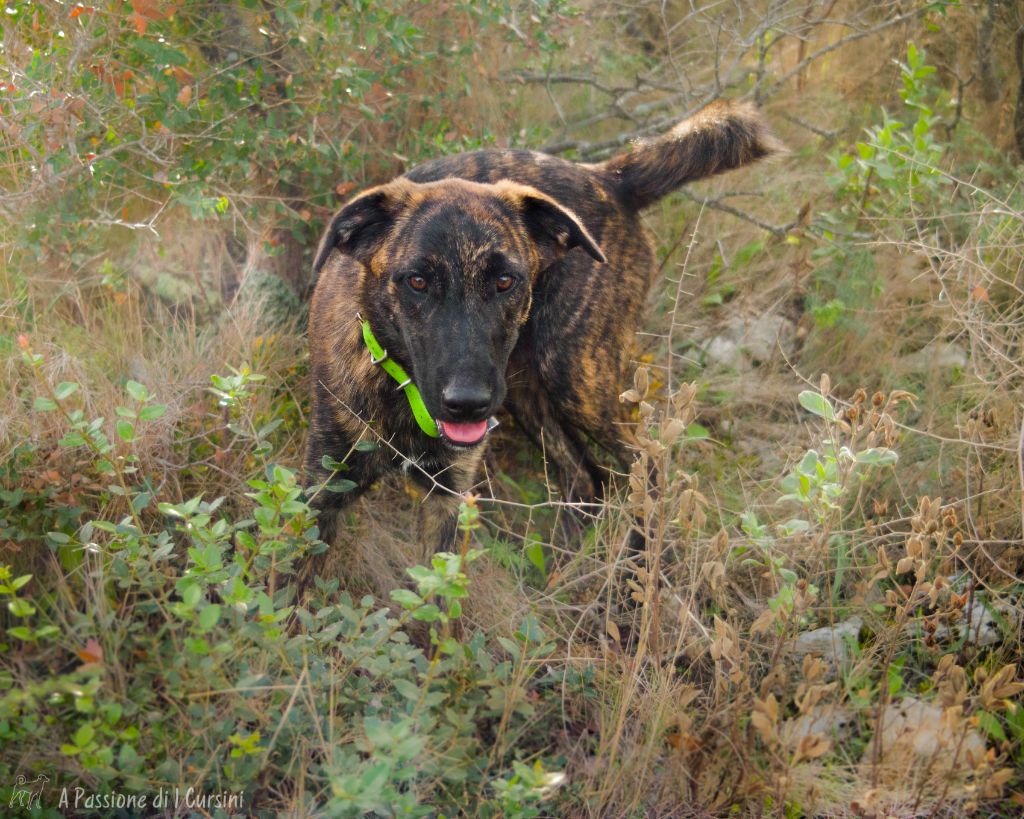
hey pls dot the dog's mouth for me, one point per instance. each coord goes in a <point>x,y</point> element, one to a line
<point>466,434</point>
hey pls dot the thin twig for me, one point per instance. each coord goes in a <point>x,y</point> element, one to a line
<point>779,231</point>
<point>828,135</point>
<point>1020,472</point>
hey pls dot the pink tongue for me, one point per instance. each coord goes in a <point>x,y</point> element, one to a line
<point>464,433</point>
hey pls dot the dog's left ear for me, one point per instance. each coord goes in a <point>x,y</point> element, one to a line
<point>555,229</point>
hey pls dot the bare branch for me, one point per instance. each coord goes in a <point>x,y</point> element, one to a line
<point>778,231</point>
<point>827,135</point>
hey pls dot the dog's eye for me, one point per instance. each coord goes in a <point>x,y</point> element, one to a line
<point>417,283</point>
<point>504,283</point>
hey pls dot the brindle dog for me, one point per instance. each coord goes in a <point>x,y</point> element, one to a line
<point>495,279</point>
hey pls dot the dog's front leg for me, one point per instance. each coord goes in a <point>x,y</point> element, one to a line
<point>437,524</point>
<point>330,491</point>
<point>439,511</point>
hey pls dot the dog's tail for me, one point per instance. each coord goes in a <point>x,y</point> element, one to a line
<point>720,137</point>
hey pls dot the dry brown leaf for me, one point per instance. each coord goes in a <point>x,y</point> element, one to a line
<point>92,655</point>
<point>906,564</point>
<point>763,622</point>
<point>763,726</point>
<point>813,746</point>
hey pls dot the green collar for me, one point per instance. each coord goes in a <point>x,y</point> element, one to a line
<point>378,355</point>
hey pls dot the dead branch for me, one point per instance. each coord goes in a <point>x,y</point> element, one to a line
<point>779,231</point>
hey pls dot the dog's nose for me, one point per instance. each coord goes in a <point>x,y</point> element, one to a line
<point>465,401</point>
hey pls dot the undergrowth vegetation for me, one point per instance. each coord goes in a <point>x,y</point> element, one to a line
<point>827,407</point>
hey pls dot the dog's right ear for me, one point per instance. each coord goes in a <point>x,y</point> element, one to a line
<point>358,228</point>
<point>554,228</point>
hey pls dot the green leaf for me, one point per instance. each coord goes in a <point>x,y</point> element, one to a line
<point>510,646</point>
<point>884,171</point>
<point>137,391</point>
<point>816,403</point>
<point>530,629</point>
<point>18,582</point>
<point>407,689</point>
<point>809,463</point>
<point>747,252</point>
<point>191,595</point>
<point>197,645</point>
<point>43,404</point>
<point>535,554</point>
<point>125,430</point>
<point>73,438</point>
<point>64,389</point>
<point>877,456</point>
<point>209,617</point>
<point>989,723</point>
<point>865,151</point>
<point>332,465</point>
<point>341,485</point>
<point>449,645</point>
<point>152,412</point>
<point>428,613</point>
<point>794,526</point>
<point>406,599</point>
<point>895,676</point>
<point>21,608</point>
<point>697,432</point>
<point>169,509</point>
<point>805,486</point>
<point>83,736</point>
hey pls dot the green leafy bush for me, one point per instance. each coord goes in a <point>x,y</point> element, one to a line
<point>197,665</point>
<point>897,164</point>
<point>249,112</point>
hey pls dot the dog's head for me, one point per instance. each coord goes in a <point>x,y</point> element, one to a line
<point>446,275</point>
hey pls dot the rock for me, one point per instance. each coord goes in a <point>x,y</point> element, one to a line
<point>984,626</point>
<point>916,732</point>
<point>941,356</point>
<point>746,343</point>
<point>830,721</point>
<point>829,642</point>
<point>724,352</point>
